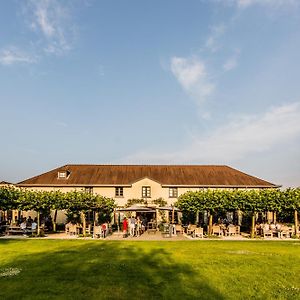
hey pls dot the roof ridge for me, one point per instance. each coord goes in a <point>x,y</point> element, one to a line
<point>151,165</point>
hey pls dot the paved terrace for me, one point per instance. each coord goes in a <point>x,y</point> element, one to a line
<point>145,237</point>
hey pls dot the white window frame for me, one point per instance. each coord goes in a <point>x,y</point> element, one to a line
<point>146,191</point>
<point>119,191</point>
<point>62,175</point>
<point>173,192</point>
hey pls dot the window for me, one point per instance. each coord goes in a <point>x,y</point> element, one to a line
<point>146,192</point>
<point>119,191</point>
<point>88,190</point>
<point>173,192</point>
<point>62,175</point>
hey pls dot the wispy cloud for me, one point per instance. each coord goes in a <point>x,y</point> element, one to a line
<point>212,41</point>
<point>267,3</point>
<point>192,75</point>
<point>61,124</point>
<point>52,20</point>
<point>13,55</point>
<point>232,62</point>
<point>241,136</point>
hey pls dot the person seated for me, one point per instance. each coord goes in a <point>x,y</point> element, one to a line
<point>258,228</point>
<point>266,227</point>
<point>23,225</point>
<point>29,221</point>
<point>272,226</point>
<point>278,226</point>
<point>33,226</point>
<point>16,221</point>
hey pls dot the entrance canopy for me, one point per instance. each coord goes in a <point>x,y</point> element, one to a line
<point>170,208</point>
<point>136,209</point>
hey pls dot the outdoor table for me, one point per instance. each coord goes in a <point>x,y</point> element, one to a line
<point>151,227</point>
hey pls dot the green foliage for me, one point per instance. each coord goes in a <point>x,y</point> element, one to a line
<point>131,202</point>
<point>73,202</point>
<point>245,200</point>
<point>8,197</point>
<point>160,202</point>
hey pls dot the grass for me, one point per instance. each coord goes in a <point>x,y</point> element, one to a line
<point>81,269</point>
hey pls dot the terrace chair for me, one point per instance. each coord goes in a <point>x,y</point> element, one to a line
<point>191,229</point>
<point>88,229</point>
<point>67,228</point>
<point>216,229</point>
<point>238,230</point>
<point>198,232</point>
<point>97,231</point>
<point>285,231</point>
<point>72,229</point>
<point>267,232</point>
<point>231,230</point>
<point>151,227</point>
<point>179,229</point>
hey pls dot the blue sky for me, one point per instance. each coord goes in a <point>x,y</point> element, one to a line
<point>163,82</point>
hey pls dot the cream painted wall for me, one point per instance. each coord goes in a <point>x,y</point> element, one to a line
<point>133,192</point>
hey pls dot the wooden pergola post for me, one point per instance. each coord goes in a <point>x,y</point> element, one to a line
<point>38,223</point>
<point>252,234</point>
<point>210,223</point>
<point>296,221</point>
<point>54,220</point>
<point>83,223</point>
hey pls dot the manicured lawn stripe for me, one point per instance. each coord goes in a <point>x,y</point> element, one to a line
<point>77,269</point>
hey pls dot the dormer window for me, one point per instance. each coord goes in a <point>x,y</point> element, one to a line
<point>63,174</point>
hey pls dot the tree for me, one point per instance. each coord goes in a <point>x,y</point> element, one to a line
<point>39,201</point>
<point>8,197</point>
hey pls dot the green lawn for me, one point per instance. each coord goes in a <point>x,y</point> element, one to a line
<point>80,269</point>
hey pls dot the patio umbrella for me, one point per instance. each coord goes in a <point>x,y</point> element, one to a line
<point>170,208</point>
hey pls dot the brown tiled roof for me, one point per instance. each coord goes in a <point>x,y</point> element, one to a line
<point>4,183</point>
<point>169,175</point>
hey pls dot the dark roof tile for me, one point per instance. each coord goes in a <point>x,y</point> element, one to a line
<point>187,175</point>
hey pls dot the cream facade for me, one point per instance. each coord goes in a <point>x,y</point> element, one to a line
<point>147,182</point>
<point>134,191</point>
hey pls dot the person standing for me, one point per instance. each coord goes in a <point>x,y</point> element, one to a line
<point>104,230</point>
<point>132,226</point>
<point>125,227</point>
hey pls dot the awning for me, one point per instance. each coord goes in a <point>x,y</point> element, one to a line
<point>170,208</point>
<point>136,208</point>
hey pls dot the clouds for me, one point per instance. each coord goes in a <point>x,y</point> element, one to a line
<point>52,21</point>
<point>246,134</point>
<point>13,55</point>
<point>192,76</point>
<point>230,64</point>
<point>217,32</point>
<point>269,3</point>
<point>241,136</point>
<point>54,33</point>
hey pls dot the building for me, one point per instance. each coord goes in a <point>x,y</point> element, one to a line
<point>5,183</point>
<point>149,182</point>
